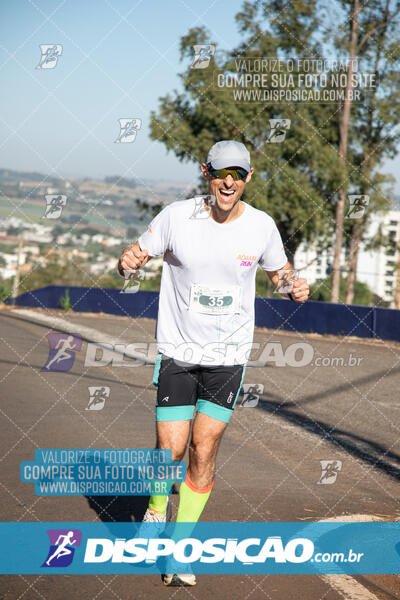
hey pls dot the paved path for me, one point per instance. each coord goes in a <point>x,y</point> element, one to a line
<point>268,465</point>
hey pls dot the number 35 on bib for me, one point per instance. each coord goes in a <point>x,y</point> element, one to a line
<point>215,301</point>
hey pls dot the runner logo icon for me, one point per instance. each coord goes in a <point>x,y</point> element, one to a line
<point>54,205</point>
<point>330,470</point>
<point>61,551</point>
<point>128,130</point>
<point>251,394</point>
<point>202,55</point>
<point>98,396</point>
<point>50,54</point>
<point>62,351</point>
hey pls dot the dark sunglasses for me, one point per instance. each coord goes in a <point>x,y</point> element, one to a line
<point>235,172</point>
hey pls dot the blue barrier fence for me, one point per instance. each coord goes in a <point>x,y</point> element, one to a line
<point>274,313</point>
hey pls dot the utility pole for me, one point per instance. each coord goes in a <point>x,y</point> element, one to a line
<point>397,282</point>
<point>344,126</point>
<point>16,278</point>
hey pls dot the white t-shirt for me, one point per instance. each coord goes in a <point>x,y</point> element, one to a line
<point>206,306</point>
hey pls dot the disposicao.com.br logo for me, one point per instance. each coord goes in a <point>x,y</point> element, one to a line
<point>205,548</point>
<point>190,550</point>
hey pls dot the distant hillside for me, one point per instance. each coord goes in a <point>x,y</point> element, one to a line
<point>13,176</point>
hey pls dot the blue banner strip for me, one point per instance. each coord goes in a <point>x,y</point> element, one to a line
<point>223,548</point>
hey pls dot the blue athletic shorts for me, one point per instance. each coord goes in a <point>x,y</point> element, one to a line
<point>180,386</point>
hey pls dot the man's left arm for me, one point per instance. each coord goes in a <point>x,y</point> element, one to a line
<point>300,292</point>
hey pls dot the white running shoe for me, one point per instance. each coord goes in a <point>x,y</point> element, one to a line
<point>187,579</point>
<point>152,516</point>
<point>174,580</point>
<point>160,519</point>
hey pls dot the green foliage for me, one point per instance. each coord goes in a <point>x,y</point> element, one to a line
<point>320,291</point>
<point>264,286</point>
<point>5,289</point>
<point>8,248</point>
<point>152,284</point>
<point>88,230</point>
<point>76,219</point>
<point>290,179</point>
<point>108,280</point>
<point>65,301</point>
<point>148,211</point>
<point>132,234</point>
<point>121,181</point>
<point>73,272</point>
<point>295,182</point>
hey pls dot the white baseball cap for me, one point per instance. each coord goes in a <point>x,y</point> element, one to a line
<point>229,154</point>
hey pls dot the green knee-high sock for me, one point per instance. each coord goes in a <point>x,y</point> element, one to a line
<point>158,503</point>
<point>192,501</point>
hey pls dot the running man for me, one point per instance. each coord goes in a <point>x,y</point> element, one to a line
<point>99,397</point>
<point>62,549</point>
<point>206,308</point>
<point>63,346</point>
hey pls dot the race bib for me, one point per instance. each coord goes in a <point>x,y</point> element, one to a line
<point>215,301</point>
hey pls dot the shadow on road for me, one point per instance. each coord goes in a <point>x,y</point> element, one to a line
<point>350,385</point>
<point>75,374</point>
<point>368,451</point>
<point>119,508</point>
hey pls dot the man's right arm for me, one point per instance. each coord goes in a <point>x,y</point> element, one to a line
<point>132,258</point>
<point>155,239</point>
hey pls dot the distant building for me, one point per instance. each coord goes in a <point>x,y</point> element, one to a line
<point>32,236</point>
<point>103,266</point>
<point>112,241</point>
<point>379,269</point>
<point>98,238</point>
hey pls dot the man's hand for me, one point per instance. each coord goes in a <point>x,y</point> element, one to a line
<point>300,291</point>
<point>132,258</point>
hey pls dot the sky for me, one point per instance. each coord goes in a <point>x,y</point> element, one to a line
<point>119,57</point>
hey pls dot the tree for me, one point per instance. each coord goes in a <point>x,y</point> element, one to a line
<point>152,284</point>
<point>5,289</point>
<point>375,118</point>
<point>54,272</point>
<point>363,33</point>
<point>344,123</point>
<point>132,233</point>
<point>291,179</point>
<point>264,287</point>
<point>320,291</point>
<point>330,149</point>
<point>108,280</point>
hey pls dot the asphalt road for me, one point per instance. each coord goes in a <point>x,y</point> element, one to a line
<point>268,464</point>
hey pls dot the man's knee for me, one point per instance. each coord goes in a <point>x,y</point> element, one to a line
<point>204,450</point>
<point>177,450</point>
<point>173,436</point>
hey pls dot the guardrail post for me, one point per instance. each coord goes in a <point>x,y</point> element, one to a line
<point>374,322</point>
